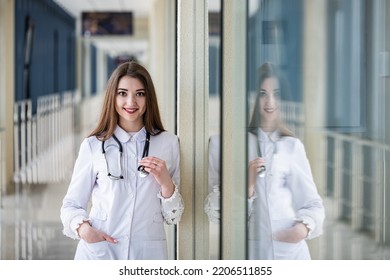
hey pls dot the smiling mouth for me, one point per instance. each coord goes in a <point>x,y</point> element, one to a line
<point>270,110</point>
<point>130,110</point>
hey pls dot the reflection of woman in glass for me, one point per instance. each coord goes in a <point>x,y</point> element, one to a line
<point>285,208</point>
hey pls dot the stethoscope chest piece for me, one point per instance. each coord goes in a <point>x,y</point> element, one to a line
<point>262,172</point>
<point>141,171</point>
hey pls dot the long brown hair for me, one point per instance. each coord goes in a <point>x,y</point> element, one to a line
<point>109,117</point>
<point>269,70</point>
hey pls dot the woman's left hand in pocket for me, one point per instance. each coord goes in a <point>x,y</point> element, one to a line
<point>293,234</point>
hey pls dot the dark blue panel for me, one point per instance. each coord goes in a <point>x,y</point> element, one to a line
<point>284,50</point>
<point>111,65</point>
<point>214,70</point>
<point>44,61</point>
<point>93,72</point>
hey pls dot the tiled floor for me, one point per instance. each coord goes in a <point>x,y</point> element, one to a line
<point>30,228</point>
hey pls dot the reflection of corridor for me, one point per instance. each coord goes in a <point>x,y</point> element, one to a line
<point>339,242</point>
<point>30,229</point>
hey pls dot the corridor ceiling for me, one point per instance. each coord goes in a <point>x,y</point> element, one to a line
<point>75,7</point>
<point>117,45</point>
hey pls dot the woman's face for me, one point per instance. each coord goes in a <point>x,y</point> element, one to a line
<point>269,103</point>
<point>130,103</point>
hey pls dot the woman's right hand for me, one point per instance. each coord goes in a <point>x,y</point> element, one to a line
<point>92,235</point>
<point>254,168</point>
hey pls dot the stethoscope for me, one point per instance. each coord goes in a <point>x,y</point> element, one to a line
<point>261,173</point>
<point>263,170</point>
<point>141,169</point>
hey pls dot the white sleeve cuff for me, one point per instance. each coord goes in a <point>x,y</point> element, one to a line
<point>172,207</point>
<point>212,206</point>
<point>309,223</point>
<point>76,223</point>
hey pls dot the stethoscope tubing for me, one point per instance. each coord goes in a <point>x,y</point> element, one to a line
<point>262,171</point>
<point>111,176</point>
<point>141,169</point>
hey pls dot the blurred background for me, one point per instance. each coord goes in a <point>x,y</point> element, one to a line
<point>55,59</point>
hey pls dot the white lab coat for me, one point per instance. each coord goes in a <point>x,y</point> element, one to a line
<point>286,194</point>
<point>131,210</point>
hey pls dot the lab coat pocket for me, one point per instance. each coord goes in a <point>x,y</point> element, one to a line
<point>157,226</point>
<point>279,167</point>
<point>93,251</point>
<point>158,218</point>
<point>108,164</point>
<point>290,251</point>
<point>98,250</point>
<point>287,250</point>
<point>155,250</point>
<point>100,166</point>
<point>98,218</point>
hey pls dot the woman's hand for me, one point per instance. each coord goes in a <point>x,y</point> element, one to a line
<point>293,234</point>
<point>92,235</point>
<point>157,167</point>
<point>254,169</point>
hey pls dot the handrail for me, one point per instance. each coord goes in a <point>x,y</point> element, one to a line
<point>43,142</point>
<point>356,140</point>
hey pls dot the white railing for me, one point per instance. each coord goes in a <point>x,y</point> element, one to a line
<point>364,197</point>
<point>43,143</point>
<point>293,115</point>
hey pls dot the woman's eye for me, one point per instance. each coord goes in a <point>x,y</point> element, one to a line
<point>262,93</point>
<point>122,93</point>
<point>141,93</point>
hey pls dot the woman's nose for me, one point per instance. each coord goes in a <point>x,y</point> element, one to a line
<point>131,99</point>
<point>270,100</point>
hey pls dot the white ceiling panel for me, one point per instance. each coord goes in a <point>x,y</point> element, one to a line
<point>113,45</point>
<point>76,7</point>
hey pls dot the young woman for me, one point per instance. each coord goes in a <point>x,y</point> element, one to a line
<point>125,182</point>
<point>285,208</point>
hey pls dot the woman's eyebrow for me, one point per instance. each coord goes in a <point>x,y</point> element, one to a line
<point>125,89</point>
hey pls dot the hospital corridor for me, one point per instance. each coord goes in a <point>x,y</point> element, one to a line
<point>207,60</point>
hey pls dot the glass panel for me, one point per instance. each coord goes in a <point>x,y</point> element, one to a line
<point>212,201</point>
<point>317,113</point>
